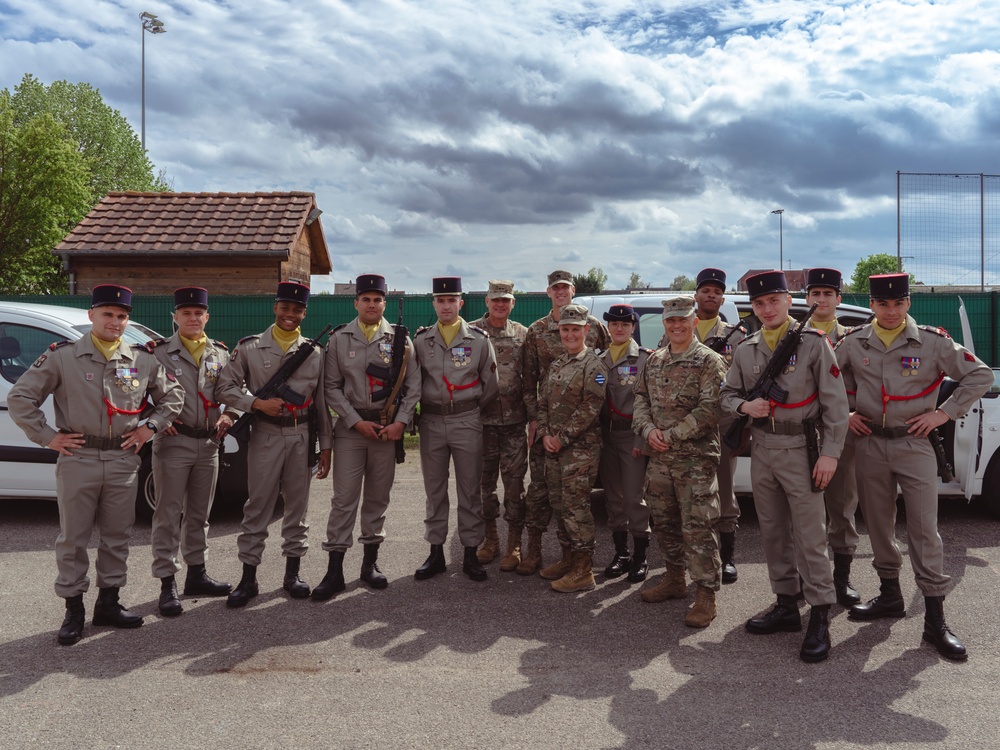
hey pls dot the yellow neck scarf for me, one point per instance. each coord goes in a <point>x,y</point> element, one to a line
<point>285,339</point>
<point>705,327</point>
<point>827,326</point>
<point>195,347</point>
<point>888,335</point>
<point>772,337</point>
<point>617,350</point>
<point>449,332</point>
<point>369,330</point>
<point>107,348</point>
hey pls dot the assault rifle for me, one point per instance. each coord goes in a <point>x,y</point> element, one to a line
<point>277,386</point>
<point>718,344</point>
<point>400,359</point>
<point>767,384</point>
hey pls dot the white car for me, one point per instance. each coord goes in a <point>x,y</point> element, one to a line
<point>972,444</point>
<point>26,470</point>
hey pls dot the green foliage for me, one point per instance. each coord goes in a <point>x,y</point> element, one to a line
<point>62,149</point>
<point>877,263</point>
<point>683,283</point>
<point>591,283</point>
<point>635,282</point>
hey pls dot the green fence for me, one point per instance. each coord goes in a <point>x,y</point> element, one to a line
<point>238,316</point>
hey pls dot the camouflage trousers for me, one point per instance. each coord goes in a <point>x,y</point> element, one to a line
<point>505,457</point>
<point>570,476</point>
<point>537,510</point>
<point>683,497</point>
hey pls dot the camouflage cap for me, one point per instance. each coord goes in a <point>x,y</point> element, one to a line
<point>560,277</point>
<point>574,315</point>
<point>500,290</point>
<point>678,307</point>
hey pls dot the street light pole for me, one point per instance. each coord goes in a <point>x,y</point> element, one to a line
<point>781,239</point>
<point>153,26</point>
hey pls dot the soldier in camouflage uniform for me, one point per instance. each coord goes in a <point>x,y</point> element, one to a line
<point>542,346</point>
<point>722,338</point>
<point>569,404</point>
<point>623,467</point>
<point>677,413</point>
<point>505,435</point>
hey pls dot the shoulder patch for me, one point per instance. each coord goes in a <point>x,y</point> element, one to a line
<point>599,378</point>
<point>939,331</point>
<point>245,339</point>
<point>58,345</point>
<point>38,362</point>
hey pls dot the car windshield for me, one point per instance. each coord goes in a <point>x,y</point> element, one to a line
<point>135,333</point>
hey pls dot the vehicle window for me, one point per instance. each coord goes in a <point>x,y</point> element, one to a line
<point>650,329</point>
<point>20,346</point>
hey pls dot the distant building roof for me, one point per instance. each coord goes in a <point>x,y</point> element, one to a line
<point>263,225</point>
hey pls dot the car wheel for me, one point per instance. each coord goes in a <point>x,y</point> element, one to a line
<point>145,495</point>
<point>991,486</point>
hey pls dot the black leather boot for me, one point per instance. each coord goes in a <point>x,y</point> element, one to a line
<point>847,595</point>
<point>109,611</point>
<point>816,645</point>
<point>782,617</point>
<point>72,626</point>
<point>370,572</point>
<point>170,602</point>
<point>333,581</point>
<point>471,565</point>
<point>433,565</point>
<point>293,584</point>
<point>246,589</point>
<point>638,568</point>
<point>199,583</point>
<point>620,562</point>
<point>727,547</point>
<point>937,632</point>
<point>889,603</point>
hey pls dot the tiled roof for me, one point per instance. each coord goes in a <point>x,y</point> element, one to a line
<point>227,224</point>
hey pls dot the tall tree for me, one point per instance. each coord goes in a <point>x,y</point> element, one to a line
<point>590,283</point>
<point>62,149</point>
<point>635,282</point>
<point>682,283</point>
<point>874,264</point>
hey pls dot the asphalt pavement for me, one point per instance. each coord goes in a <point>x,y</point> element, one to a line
<point>451,663</point>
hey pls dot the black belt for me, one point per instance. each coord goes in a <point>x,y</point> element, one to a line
<point>370,415</point>
<point>442,410</point>
<point>890,432</point>
<point>290,421</point>
<point>103,443</point>
<point>201,433</point>
<point>779,428</point>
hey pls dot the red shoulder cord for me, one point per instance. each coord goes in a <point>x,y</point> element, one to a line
<point>775,405</point>
<point>372,382</point>
<point>453,388</point>
<point>613,410</point>
<point>209,405</point>
<point>886,397</point>
<point>112,410</point>
<point>293,409</point>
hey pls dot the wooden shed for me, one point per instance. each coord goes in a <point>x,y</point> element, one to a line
<point>229,243</point>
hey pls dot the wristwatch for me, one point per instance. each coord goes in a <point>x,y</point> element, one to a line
<point>151,427</point>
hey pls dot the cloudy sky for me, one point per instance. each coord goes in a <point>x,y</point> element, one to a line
<point>502,138</point>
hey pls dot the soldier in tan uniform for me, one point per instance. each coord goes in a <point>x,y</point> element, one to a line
<point>458,379</point>
<point>186,454</point>
<point>677,414</point>
<point>505,435</point>
<point>895,369</point>
<point>542,346</point>
<point>841,496</point>
<point>623,467</point>
<point>792,516</point>
<point>278,454</point>
<point>359,384</point>
<point>569,406</point>
<point>100,387</point>
<point>722,338</point>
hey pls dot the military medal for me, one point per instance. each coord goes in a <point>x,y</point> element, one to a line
<point>125,378</point>
<point>627,374</point>
<point>212,370</point>
<point>791,365</point>
<point>461,355</point>
<point>385,351</point>
<point>910,366</point>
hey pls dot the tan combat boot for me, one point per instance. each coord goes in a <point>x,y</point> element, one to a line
<point>491,543</point>
<point>533,560</point>
<point>580,576</point>
<point>671,586</point>
<point>512,558</point>
<point>702,612</point>
<point>557,570</point>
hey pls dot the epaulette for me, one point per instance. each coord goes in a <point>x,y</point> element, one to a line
<point>342,325</point>
<point>220,344</point>
<point>422,329</point>
<point>848,331</point>
<point>644,349</point>
<point>157,342</point>
<point>478,329</point>
<point>817,331</point>
<point>59,344</point>
<point>249,338</point>
<point>939,331</point>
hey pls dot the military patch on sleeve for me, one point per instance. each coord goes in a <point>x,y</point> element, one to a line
<point>38,362</point>
<point>969,357</point>
<point>835,371</point>
<point>599,378</point>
